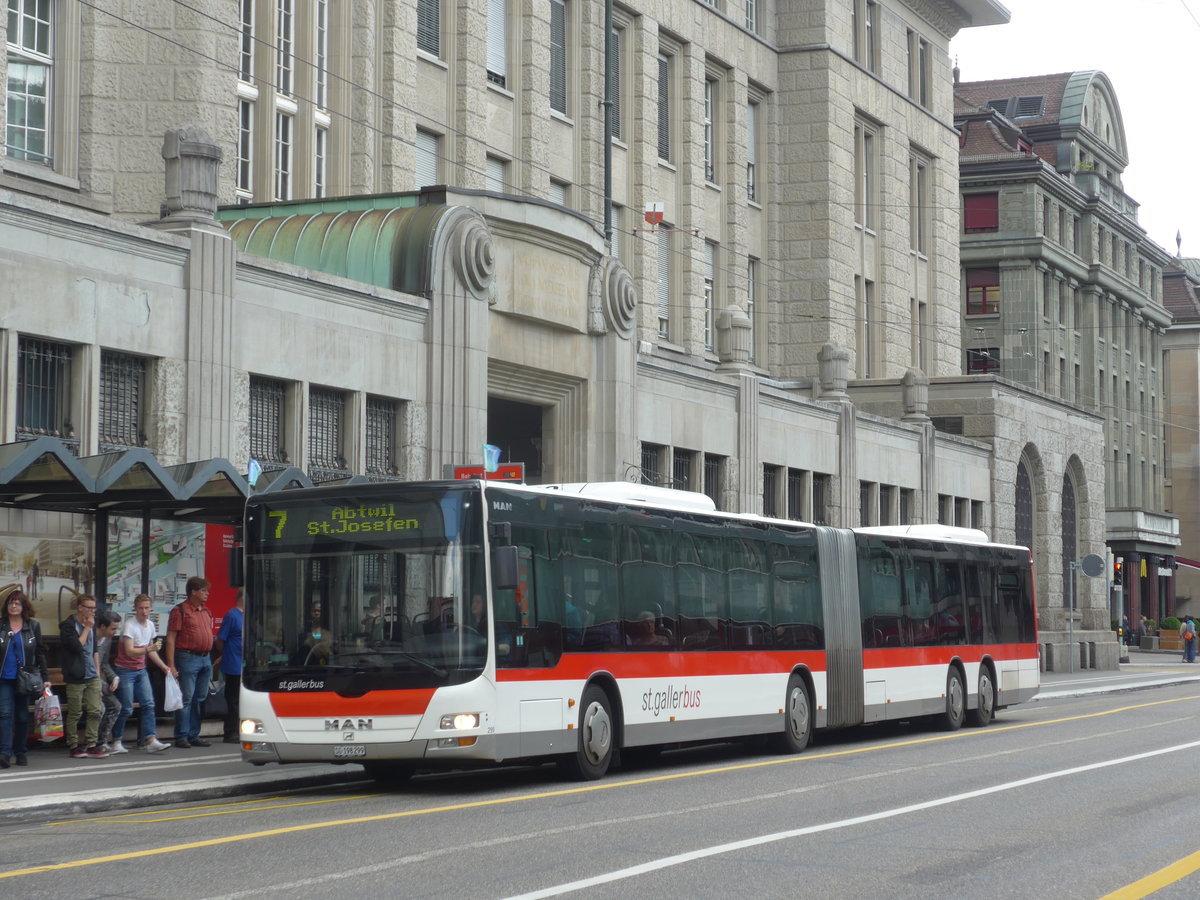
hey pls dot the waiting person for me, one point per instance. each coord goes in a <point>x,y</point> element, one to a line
<point>21,646</point>
<point>138,643</point>
<point>229,645</point>
<point>107,623</point>
<point>81,672</point>
<point>1187,631</point>
<point>189,646</point>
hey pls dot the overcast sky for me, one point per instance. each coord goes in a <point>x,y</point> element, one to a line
<point>1149,50</point>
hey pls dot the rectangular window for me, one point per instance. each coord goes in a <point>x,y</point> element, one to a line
<point>919,199</point>
<point>796,493</point>
<point>752,16</point>
<point>246,59</point>
<point>326,417</point>
<point>266,420</point>
<point>558,192</point>
<point>425,170</point>
<point>985,361</point>
<point>821,492</point>
<point>906,505</point>
<point>752,152</point>
<point>664,282</point>
<point>497,42</point>
<point>122,400</point>
<point>920,345</point>
<point>495,175</point>
<point>664,107</point>
<point>429,27</point>
<point>866,504</point>
<point>43,389</point>
<point>865,164</point>
<point>710,149</point>
<point>867,325</point>
<point>321,52</point>
<point>887,494</point>
<point>714,472</point>
<point>320,161</point>
<point>381,439</point>
<point>751,304</point>
<point>283,156</point>
<point>977,514</point>
<point>983,291</point>
<point>245,166</point>
<point>922,94</point>
<point>710,276</point>
<point>618,219</point>
<point>285,37</point>
<point>652,463</point>
<point>558,56</point>
<point>870,43</point>
<point>981,212</point>
<point>30,68</point>
<point>682,469</point>
<point>770,495</point>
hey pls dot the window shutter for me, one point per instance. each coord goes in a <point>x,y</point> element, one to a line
<point>981,212</point>
<point>429,26</point>
<point>664,108</point>
<point>615,64</point>
<point>664,279</point>
<point>558,56</point>
<point>497,41</point>
<point>426,168</point>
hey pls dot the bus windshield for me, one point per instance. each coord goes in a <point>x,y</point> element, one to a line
<point>381,589</point>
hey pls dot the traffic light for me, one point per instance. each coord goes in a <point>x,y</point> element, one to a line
<point>1117,571</point>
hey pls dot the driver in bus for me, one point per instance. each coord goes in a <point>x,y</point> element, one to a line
<point>316,643</point>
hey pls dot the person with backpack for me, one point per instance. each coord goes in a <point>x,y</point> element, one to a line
<point>1188,632</point>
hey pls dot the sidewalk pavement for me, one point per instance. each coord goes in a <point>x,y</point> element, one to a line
<point>53,785</point>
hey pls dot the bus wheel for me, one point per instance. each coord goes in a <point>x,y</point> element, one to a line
<point>956,701</point>
<point>388,774</point>
<point>797,718</point>
<point>983,714</point>
<point>594,750</point>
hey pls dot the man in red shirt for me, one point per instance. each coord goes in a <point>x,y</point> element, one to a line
<point>189,645</point>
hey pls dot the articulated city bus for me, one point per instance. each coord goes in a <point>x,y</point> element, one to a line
<point>446,624</point>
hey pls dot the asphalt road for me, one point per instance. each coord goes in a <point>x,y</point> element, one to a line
<point>1068,798</point>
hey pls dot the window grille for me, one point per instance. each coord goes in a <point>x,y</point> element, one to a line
<point>266,420</point>
<point>770,496</point>
<point>326,413</point>
<point>558,56</point>
<point>682,474</point>
<point>381,439</point>
<point>795,494</point>
<point>713,467</point>
<point>429,26</point>
<point>820,498</point>
<point>651,453</point>
<point>122,395</point>
<point>44,389</point>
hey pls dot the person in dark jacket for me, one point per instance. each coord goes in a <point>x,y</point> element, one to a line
<point>81,672</point>
<point>21,646</point>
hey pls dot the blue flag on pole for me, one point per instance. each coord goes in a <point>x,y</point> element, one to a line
<point>491,457</point>
<point>253,470</point>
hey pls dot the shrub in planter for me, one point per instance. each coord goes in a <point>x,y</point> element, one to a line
<point>1170,623</point>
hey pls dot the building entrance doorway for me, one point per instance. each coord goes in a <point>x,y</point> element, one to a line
<point>516,428</point>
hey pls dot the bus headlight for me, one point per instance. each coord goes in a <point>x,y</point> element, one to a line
<point>252,726</point>
<point>460,721</point>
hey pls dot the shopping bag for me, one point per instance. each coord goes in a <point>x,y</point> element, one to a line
<point>47,718</point>
<point>172,694</point>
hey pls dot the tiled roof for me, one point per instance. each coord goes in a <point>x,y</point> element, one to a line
<point>976,94</point>
<point>1181,289</point>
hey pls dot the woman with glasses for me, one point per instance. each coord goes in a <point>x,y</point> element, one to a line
<point>20,647</point>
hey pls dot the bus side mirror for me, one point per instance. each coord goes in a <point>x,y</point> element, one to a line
<point>504,569</point>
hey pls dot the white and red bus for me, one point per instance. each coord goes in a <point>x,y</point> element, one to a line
<point>444,624</point>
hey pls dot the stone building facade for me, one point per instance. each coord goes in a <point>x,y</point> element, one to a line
<point>414,254</point>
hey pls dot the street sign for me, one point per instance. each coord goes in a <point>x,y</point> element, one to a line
<point>504,472</point>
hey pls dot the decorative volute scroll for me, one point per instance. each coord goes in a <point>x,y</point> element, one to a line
<point>473,255</point>
<point>193,162</point>
<point>834,367</point>
<point>618,297</point>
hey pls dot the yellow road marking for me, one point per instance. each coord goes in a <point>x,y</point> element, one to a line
<point>1156,881</point>
<point>563,792</point>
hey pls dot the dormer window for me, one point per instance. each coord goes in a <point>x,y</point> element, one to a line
<point>1019,107</point>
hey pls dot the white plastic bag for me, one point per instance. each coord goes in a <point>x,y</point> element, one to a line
<point>172,695</point>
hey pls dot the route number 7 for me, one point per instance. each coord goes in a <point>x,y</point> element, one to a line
<point>281,515</point>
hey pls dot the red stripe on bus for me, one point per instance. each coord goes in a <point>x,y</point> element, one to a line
<point>902,657</point>
<point>319,704</point>
<point>693,664</point>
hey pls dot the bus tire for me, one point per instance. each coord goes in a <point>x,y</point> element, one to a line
<point>594,745</point>
<point>797,718</point>
<point>985,711</point>
<point>388,774</point>
<point>956,701</point>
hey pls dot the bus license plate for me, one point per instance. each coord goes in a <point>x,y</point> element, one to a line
<point>350,751</point>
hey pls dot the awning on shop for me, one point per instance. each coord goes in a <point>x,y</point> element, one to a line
<point>1190,563</point>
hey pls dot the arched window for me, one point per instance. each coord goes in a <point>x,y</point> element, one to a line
<point>1070,547</point>
<point>1024,503</point>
